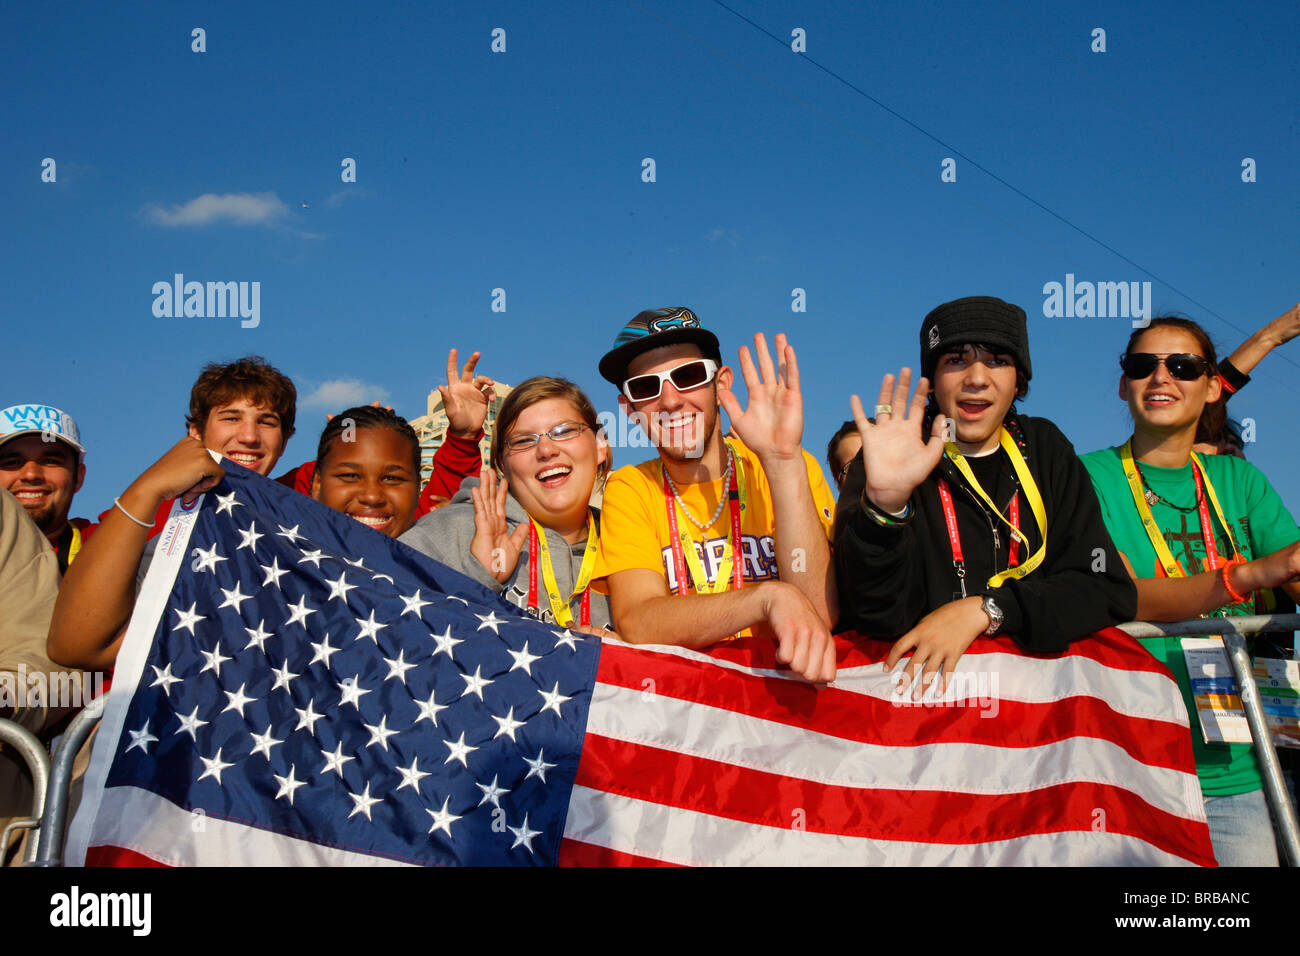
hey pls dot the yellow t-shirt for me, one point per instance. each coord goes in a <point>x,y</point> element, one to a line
<point>634,529</point>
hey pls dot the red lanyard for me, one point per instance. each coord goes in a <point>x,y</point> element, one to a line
<point>679,558</point>
<point>584,614</point>
<point>1207,529</point>
<point>1212,555</point>
<point>954,536</point>
<point>1015,523</point>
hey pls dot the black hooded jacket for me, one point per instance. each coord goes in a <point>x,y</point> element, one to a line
<point>891,577</point>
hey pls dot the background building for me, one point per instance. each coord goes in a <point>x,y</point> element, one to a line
<point>432,428</point>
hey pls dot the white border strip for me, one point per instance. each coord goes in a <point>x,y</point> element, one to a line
<point>146,823</point>
<point>150,603</point>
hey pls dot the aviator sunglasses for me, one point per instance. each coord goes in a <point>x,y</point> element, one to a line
<point>684,377</point>
<point>1183,366</point>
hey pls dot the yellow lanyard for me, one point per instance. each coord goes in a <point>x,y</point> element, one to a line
<point>1031,492</point>
<point>1172,568</point>
<point>74,545</point>
<point>559,606</point>
<point>686,544</point>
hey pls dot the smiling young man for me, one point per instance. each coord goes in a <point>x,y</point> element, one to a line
<point>718,536</point>
<point>245,412</point>
<point>42,465</point>
<point>996,531</point>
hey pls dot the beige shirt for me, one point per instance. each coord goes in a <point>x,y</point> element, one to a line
<point>29,584</point>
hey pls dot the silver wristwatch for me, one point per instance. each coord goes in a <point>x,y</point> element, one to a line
<point>989,607</point>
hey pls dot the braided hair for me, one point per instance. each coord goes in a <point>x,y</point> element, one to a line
<point>368,416</point>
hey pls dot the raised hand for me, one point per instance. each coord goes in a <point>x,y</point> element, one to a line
<point>1286,326</point>
<point>896,454</point>
<point>495,547</point>
<point>772,425</point>
<point>465,397</point>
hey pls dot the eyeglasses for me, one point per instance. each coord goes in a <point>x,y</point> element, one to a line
<point>684,377</point>
<point>1183,366</point>
<point>561,432</point>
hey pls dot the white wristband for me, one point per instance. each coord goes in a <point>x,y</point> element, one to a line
<point>143,524</point>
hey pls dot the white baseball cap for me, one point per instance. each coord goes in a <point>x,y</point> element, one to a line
<point>19,420</point>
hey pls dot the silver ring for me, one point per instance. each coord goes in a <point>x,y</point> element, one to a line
<point>884,409</point>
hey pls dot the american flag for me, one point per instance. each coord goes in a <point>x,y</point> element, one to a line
<point>296,688</point>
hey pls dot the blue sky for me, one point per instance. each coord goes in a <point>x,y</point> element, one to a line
<point>522,171</point>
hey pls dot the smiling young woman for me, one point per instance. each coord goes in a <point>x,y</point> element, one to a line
<point>531,534</point>
<point>368,467</point>
<point>1190,528</point>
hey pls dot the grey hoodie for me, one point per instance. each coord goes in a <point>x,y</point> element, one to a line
<point>445,536</point>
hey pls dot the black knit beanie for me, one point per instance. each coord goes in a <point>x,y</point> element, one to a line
<point>975,320</point>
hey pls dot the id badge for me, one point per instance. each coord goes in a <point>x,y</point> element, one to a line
<point>1215,691</point>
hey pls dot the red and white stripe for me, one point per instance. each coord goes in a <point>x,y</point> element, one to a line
<point>1081,759</point>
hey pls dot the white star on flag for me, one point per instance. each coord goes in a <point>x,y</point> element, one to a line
<point>207,560</point>
<point>523,835</point>
<point>340,588</point>
<point>553,700</point>
<point>412,604</point>
<point>288,785</point>
<point>523,660</point>
<point>442,819</point>
<point>188,618</point>
<point>214,766</point>
<point>248,538</point>
<point>141,738</point>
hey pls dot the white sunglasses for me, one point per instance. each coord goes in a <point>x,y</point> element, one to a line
<point>684,377</point>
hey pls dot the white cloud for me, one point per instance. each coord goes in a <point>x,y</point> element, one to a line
<point>341,393</point>
<point>241,209</point>
<point>338,197</point>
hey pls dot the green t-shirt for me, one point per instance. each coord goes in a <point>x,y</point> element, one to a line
<point>1261,524</point>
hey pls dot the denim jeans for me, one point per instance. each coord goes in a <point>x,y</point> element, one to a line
<point>1241,830</point>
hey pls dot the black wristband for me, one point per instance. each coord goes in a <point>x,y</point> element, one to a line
<point>1233,378</point>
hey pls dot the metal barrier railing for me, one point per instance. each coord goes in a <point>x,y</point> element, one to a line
<point>54,822</point>
<point>1234,631</point>
<point>38,762</point>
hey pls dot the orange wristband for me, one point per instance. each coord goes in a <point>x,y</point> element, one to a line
<point>1227,584</point>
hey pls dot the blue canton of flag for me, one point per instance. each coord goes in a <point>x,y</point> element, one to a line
<point>297,688</point>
